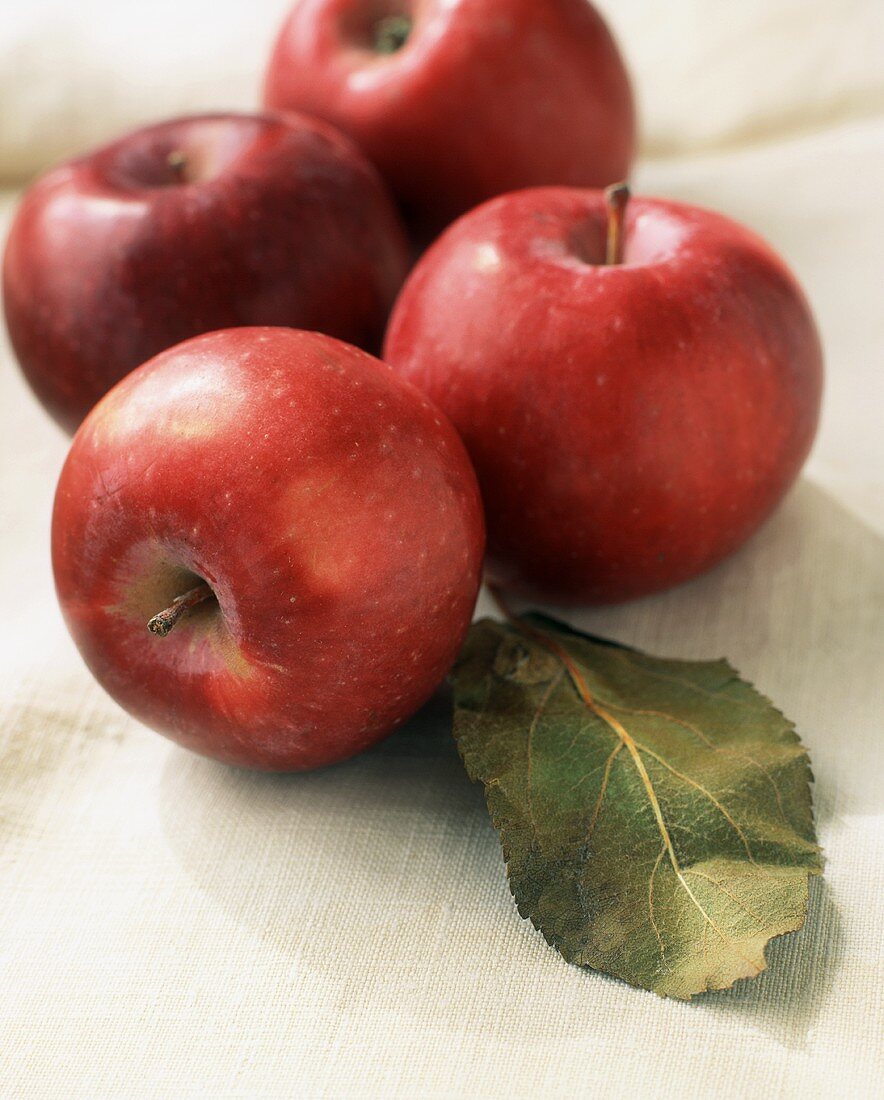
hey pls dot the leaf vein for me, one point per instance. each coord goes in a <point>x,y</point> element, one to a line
<point>586,695</point>
<point>707,794</point>
<point>710,744</point>
<point>724,890</point>
<point>541,706</point>
<point>651,904</point>
<point>612,756</point>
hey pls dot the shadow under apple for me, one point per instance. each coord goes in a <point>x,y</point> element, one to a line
<point>799,611</point>
<point>391,857</point>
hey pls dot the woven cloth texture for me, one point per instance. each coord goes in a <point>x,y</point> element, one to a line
<point>172,928</point>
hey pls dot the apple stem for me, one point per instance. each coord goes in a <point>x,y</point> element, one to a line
<point>161,624</point>
<point>616,198</point>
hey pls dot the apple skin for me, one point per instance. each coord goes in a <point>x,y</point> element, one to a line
<point>117,255</point>
<point>631,424</point>
<point>484,97</point>
<point>331,508</point>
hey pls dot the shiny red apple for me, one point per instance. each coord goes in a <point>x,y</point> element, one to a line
<point>459,100</point>
<point>636,394</point>
<point>192,225</point>
<point>301,529</point>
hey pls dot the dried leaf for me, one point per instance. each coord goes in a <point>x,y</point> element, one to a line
<point>655,815</point>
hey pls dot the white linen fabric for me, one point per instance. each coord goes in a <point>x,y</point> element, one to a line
<point>172,928</point>
<point>710,73</point>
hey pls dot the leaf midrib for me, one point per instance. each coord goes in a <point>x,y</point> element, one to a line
<point>626,739</point>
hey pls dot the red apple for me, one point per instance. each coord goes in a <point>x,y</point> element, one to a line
<point>307,525</point>
<point>633,421</point>
<point>193,225</point>
<point>459,100</point>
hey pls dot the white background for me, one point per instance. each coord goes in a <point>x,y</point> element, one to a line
<point>173,928</point>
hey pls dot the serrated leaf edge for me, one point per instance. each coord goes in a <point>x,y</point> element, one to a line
<point>526,624</point>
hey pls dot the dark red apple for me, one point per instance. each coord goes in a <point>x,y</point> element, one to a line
<point>635,403</point>
<point>301,528</point>
<point>193,225</point>
<point>459,100</point>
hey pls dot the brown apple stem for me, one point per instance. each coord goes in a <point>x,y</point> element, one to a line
<point>616,198</point>
<point>161,624</point>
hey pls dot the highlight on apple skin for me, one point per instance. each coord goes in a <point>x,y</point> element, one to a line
<point>302,530</point>
<point>633,414</point>
<point>456,101</point>
<point>190,225</point>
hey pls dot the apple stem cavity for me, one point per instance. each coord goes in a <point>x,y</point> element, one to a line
<point>177,162</point>
<point>162,623</point>
<point>616,199</point>
<point>391,33</point>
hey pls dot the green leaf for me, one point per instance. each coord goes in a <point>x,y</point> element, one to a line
<point>655,815</point>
